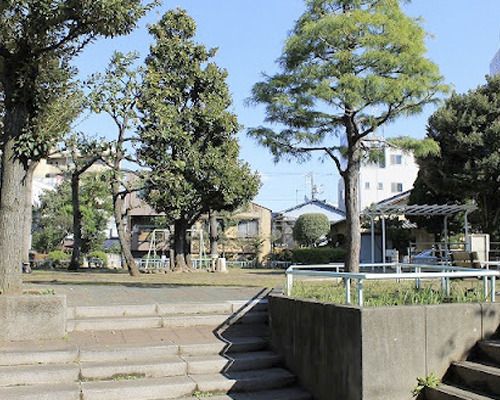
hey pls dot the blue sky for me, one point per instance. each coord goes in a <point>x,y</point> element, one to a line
<point>465,34</point>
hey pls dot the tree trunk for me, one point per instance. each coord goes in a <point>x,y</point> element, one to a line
<point>180,232</point>
<point>28,213</point>
<point>12,199</point>
<point>353,223</point>
<point>122,234</point>
<point>214,236</point>
<point>76,254</point>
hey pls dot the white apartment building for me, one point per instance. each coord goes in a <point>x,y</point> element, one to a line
<point>395,173</point>
<point>495,64</point>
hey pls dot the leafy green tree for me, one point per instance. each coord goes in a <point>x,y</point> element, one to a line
<point>116,93</point>
<point>83,153</point>
<point>188,136</point>
<point>467,130</point>
<point>33,35</point>
<point>54,215</point>
<point>310,228</point>
<point>348,67</point>
<point>54,123</point>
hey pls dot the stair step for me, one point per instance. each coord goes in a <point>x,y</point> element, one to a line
<point>253,317</point>
<point>172,366</point>
<point>124,353</point>
<point>195,308</point>
<point>117,311</point>
<point>252,305</point>
<point>232,345</point>
<point>491,348</point>
<point>293,393</point>
<point>113,323</point>
<point>245,330</point>
<point>446,392</point>
<point>26,356</point>
<point>209,364</point>
<point>194,320</point>
<point>38,374</point>
<point>244,381</point>
<point>42,392</point>
<point>478,377</point>
<point>139,389</point>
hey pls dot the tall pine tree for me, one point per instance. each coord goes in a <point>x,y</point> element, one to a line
<point>348,67</point>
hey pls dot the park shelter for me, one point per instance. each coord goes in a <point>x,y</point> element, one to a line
<point>385,210</point>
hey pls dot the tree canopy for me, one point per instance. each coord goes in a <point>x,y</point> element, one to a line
<point>54,214</point>
<point>347,68</point>
<point>310,228</point>
<point>38,39</point>
<point>188,136</point>
<point>467,129</point>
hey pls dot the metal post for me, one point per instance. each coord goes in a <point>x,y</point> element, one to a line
<point>493,289</point>
<point>485,287</point>
<point>383,239</point>
<point>347,282</point>
<point>360,292</point>
<point>446,236</point>
<point>372,239</point>
<point>289,284</point>
<point>466,228</point>
<point>417,281</point>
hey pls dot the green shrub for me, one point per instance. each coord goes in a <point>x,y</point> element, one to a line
<point>318,255</point>
<point>310,228</point>
<point>58,257</point>
<point>101,255</point>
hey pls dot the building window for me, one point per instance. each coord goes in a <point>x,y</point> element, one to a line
<point>396,159</point>
<point>248,228</point>
<point>396,187</point>
<point>380,186</point>
<point>367,185</point>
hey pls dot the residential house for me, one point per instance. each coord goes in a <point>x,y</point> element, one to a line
<point>246,233</point>
<point>284,221</point>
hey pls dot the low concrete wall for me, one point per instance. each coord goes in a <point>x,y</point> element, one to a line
<point>32,317</point>
<point>353,353</point>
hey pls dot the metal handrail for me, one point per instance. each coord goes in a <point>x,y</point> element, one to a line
<point>444,272</point>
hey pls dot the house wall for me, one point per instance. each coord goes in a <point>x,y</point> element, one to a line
<point>141,223</point>
<point>237,246</point>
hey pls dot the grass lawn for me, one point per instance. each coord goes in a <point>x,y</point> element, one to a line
<point>235,277</point>
<point>389,293</point>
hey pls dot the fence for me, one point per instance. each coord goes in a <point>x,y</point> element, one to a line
<point>401,272</point>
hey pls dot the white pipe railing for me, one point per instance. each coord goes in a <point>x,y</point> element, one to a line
<point>443,272</point>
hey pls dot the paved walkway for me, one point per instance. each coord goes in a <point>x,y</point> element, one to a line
<point>113,294</point>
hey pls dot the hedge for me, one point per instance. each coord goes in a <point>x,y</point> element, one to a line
<point>318,255</point>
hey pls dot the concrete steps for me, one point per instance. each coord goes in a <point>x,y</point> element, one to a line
<point>123,317</point>
<point>292,393</point>
<point>244,381</point>
<point>208,364</point>
<point>140,389</point>
<point>477,378</point>
<point>42,392</point>
<point>446,392</point>
<point>236,362</point>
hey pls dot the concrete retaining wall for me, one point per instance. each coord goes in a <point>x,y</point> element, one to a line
<point>349,353</point>
<point>32,317</point>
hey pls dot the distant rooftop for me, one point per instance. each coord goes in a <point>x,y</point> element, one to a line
<point>333,213</point>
